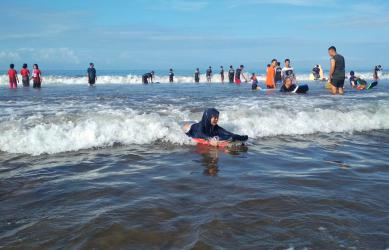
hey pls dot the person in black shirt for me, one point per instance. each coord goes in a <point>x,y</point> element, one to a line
<point>92,78</point>
<point>197,75</point>
<point>316,72</point>
<point>239,72</point>
<point>278,76</point>
<point>222,74</point>
<point>147,76</point>
<point>288,85</point>
<point>337,73</point>
<point>209,74</point>
<point>231,74</point>
<point>171,76</point>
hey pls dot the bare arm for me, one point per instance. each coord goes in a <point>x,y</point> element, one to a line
<point>332,69</point>
<point>244,76</point>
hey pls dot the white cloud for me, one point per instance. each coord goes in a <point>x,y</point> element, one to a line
<point>62,55</point>
<point>286,2</point>
<point>179,5</point>
<point>9,56</point>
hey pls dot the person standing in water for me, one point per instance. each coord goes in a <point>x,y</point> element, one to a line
<point>25,72</point>
<point>36,77</point>
<point>13,77</point>
<point>316,72</point>
<point>270,77</point>
<point>239,72</point>
<point>337,73</point>
<point>148,77</point>
<point>92,77</point>
<point>287,71</point>
<point>197,75</point>
<point>377,69</point>
<point>278,70</point>
<point>209,74</point>
<point>222,74</point>
<point>254,82</point>
<point>171,76</point>
<point>231,74</point>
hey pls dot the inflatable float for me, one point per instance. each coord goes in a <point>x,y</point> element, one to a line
<point>221,144</point>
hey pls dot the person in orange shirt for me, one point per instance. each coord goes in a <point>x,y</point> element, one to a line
<point>270,77</point>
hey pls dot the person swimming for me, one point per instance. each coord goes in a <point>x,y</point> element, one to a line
<point>209,129</point>
<point>357,82</point>
<point>147,76</point>
<point>288,85</point>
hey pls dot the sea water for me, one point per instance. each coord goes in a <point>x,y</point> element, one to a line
<point>109,167</point>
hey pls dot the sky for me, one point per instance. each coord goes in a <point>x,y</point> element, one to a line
<point>185,34</point>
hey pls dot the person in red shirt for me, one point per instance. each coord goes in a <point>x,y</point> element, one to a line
<point>36,77</point>
<point>25,72</point>
<point>13,77</point>
<point>270,77</point>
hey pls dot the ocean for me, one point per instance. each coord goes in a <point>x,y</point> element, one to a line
<point>109,167</point>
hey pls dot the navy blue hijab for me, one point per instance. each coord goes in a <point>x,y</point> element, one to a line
<point>205,130</point>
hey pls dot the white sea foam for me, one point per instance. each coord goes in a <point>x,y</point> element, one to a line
<point>137,79</point>
<point>39,134</point>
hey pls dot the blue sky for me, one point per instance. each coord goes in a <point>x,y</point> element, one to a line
<point>184,34</point>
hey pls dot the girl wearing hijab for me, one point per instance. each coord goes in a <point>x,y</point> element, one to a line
<point>208,129</point>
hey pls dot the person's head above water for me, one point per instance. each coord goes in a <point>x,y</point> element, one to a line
<point>288,82</point>
<point>209,120</point>
<point>171,70</point>
<point>332,51</point>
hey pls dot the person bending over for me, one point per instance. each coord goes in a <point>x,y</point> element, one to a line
<point>148,77</point>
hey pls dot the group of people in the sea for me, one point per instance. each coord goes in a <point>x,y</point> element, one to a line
<point>283,76</point>
<point>36,76</point>
<point>275,75</point>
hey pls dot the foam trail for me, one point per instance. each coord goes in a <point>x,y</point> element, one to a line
<point>65,132</point>
<point>137,79</point>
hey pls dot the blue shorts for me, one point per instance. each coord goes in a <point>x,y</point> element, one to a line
<point>337,83</point>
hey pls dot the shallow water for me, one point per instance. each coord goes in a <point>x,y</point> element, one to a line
<point>109,167</point>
